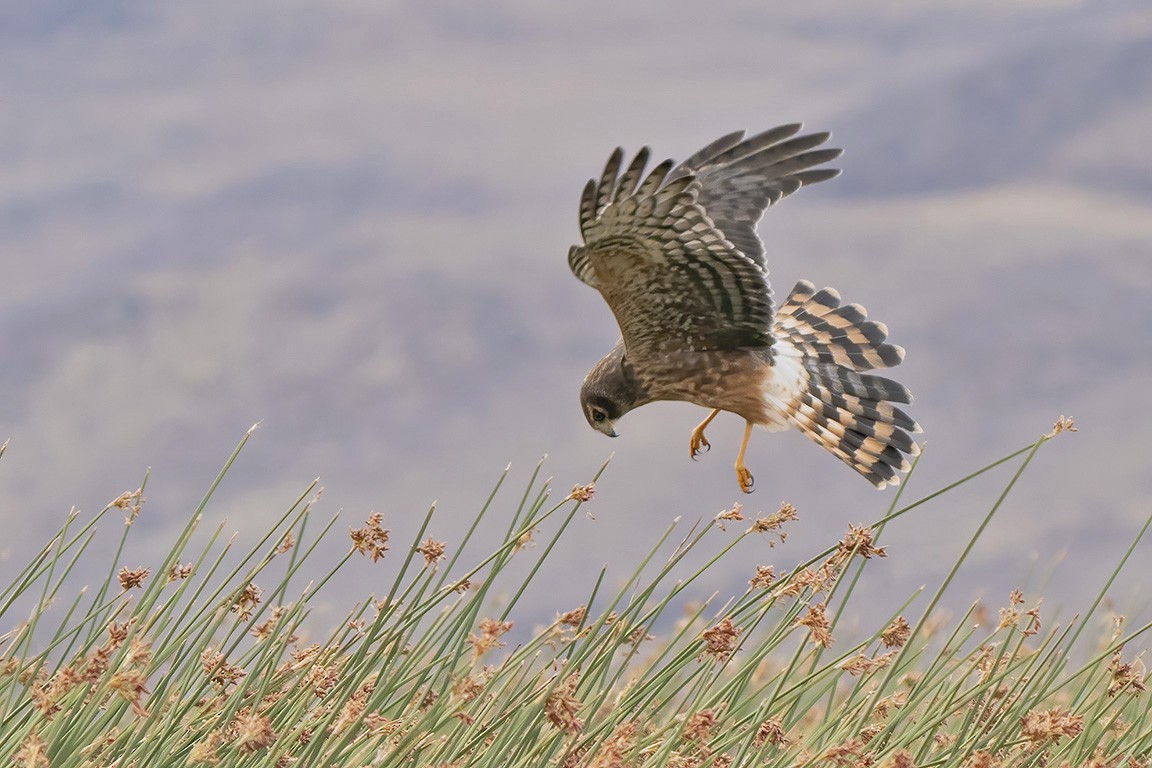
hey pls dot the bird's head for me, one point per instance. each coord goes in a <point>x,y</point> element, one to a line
<point>610,390</point>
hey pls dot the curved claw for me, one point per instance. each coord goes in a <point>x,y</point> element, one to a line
<point>698,444</point>
<point>744,478</point>
<point>697,439</point>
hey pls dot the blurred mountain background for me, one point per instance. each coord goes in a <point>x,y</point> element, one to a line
<point>349,221</point>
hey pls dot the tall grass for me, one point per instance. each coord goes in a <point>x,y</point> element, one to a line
<point>190,663</point>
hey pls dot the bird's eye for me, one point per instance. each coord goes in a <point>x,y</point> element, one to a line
<point>598,415</point>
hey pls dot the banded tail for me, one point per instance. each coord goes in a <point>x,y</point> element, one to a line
<point>821,352</point>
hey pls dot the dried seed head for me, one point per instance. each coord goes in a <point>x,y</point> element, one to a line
<point>253,732</point>
<point>468,687</point>
<point>616,750</point>
<point>860,663</point>
<point>131,501</point>
<point>372,539</point>
<point>131,579</point>
<point>1050,725</point>
<point>130,686</point>
<point>1033,625</point>
<point>380,725</point>
<point>720,640</point>
<point>981,759</point>
<point>896,634</point>
<point>562,706</point>
<point>582,493</point>
<point>248,599</point>
<point>895,701</point>
<point>1125,676</point>
<point>774,522</point>
<point>179,572</point>
<point>764,578</point>
<point>489,636</point>
<point>205,749</point>
<point>264,629</point>
<point>729,514</point>
<point>816,620</point>
<point>218,670</point>
<point>572,618</point>
<point>432,550</point>
<point>900,759</point>
<point>524,540</point>
<point>771,731</point>
<point>860,542</point>
<point>698,727</point>
<point>32,752</point>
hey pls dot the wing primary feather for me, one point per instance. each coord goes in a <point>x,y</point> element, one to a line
<point>654,179</point>
<point>608,179</point>
<point>772,142</point>
<point>817,175</point>
<point>588,207</point>
<point>805,160</point>
<point>631,178</point>
<point>706,155</point>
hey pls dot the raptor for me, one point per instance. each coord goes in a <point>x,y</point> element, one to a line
<point>674,252</point>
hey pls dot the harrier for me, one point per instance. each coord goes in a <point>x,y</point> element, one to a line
<point>674,253</point>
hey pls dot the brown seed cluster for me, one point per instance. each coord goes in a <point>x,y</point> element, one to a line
<point>371,540</point>
<point>771,731</point>
<point>264,629</point>
<point>488,638</point>
<point>1125,676</point>
<point>247,601</point>
<point>1050,725</point>
<point>253,732</point>
<point>816,620</point>
<point>32,753</point>
<point>860,542</point>
<point>727,515</point>
<point>582,493</point>
<point>131,502</point>
<point>896,634</point>
<point>432,550</point>
<point>132,578</point>
<point>1011,615</point>
<point>862,663</point>
<point>218,670</point>
<point>699,725</point>
<point>720,641</point>
<point>616,751</point>
<point>126,680</point>
<point>561,706</point>
<point>774,523</point>
<point>764,579</point>
<point>179,572</point>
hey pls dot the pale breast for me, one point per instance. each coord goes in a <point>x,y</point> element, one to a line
<point>731,380</point>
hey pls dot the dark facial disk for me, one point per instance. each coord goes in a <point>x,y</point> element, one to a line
<point>601,413</point>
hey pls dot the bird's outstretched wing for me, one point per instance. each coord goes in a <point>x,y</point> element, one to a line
<point>674,252</point>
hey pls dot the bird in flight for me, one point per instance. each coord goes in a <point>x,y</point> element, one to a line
<point>674,253</point>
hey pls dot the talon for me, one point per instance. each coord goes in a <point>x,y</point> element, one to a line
<point>697,439</point>
<point>698,444</point>
<point>744,478</point>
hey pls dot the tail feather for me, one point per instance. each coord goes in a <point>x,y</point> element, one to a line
<point>813,320</point>
<point>848,412</point>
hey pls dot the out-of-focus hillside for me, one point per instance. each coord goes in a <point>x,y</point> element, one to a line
<point>351,222</point>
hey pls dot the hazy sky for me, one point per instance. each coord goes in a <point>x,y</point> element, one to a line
<point>350,221</point>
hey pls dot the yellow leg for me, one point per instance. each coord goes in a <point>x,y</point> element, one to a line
<point>697,439</point>
<point>743,476</point>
